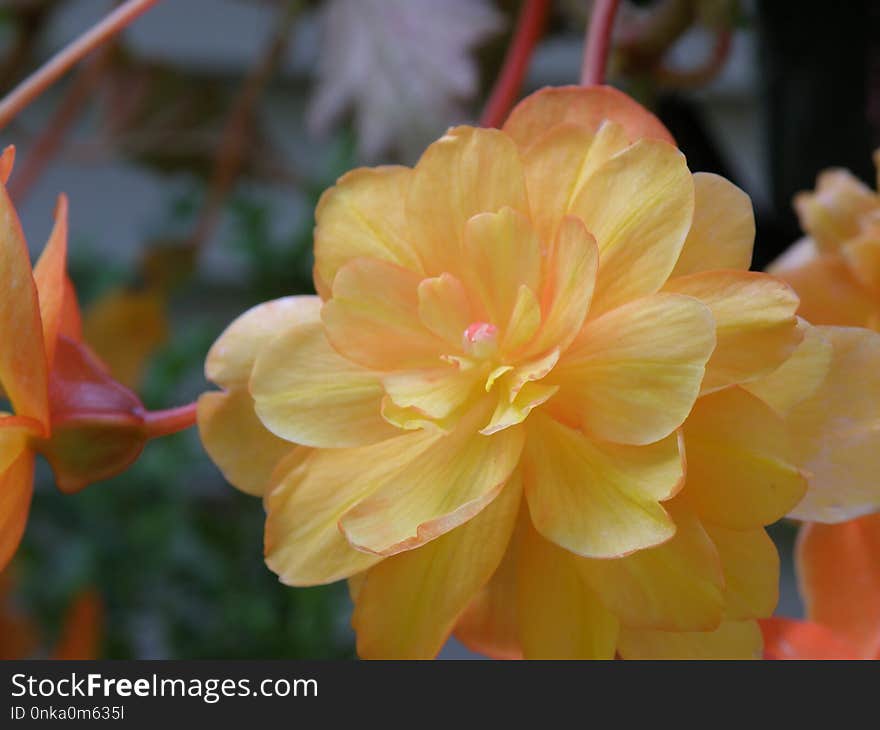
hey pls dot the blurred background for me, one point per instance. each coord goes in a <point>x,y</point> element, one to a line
<point>193,149</point>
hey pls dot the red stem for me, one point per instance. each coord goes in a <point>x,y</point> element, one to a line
<point>172,420</point>
<point>598,42</point>
<point>529,29</point>
<point>55,67</point>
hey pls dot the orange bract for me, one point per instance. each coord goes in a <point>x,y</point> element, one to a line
<point>66,406</point>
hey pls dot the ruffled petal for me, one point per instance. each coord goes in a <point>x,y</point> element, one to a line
<point>829,293</point>
<point>731,640</point>
<point>799,376</point>
<point>395,621</point>
<point>466,172</point>
<point>373,318</point>
<point>633,375</point>
<point>598,499</point>
<point>237,442</point>
<point>437,392</point>
<point>756,327</point>
<point>831,214</point>
<point>862,254</point>
<point>364,215</point>
<point>559,163</point>
<point>639,206</point>
<point>570,277</point>
<point>490,624</point>
<point>722,233</point>
<point>836,431</point>
<point>839,572</point>
<point>751,571</point>
<point>741,469</point>
<point>313,489</point>
<point>231,358</point>
<point>433,484</point>
<point>305,392</point>
<point>560,617</point>
<point>444,308</point>
<point>501,254</point>
<point>676,586</point>
<point>587,107</point>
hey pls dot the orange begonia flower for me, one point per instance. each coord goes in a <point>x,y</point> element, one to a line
<point>836,268</point>
<point>65,404</point>
<point>482,419</point>
<point>839,574</point>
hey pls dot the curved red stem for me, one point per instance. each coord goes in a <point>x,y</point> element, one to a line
<point>171,420</point>
<point>55,67</point>
<point>529,29</point>
<point>598,42</point>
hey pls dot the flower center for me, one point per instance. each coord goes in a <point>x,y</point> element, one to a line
<point>480,340</point>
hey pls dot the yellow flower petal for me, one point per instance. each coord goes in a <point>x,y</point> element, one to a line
<point>831,214</point>
<point>466,172</point>
<point>431,485</point>
<point>16,488</point>
<point>828,291</point>
<point>437,392</point>
<point>305,392</point>
<point>559,163</point>
<point>560,617</point>
<point>731,640</point>
<point>638,206</point>
<point>363,215</point>
<point>395,621</point>
<point>633,375</point>
<point>490,624</point>
<point>585,107</point>
<point>741,469</point>
<point>751,571</point>
<point>373,317</point>
<point>756,328</point>
<point>799,376</point>
<point>510,412</point>
<point>524,321</point>
<point>50,277</point>
<point>303,544</point>
<point>598,499</point>
<point>569,280</point>
<point>723,230</point>
<point>502,253</point>
<point>444,308</point>
<point>23,359</point>
<point>836,431</point>
<point>237,442</point>
<point>676,586</point>
<point>862,254</point>
<point>231,358</point>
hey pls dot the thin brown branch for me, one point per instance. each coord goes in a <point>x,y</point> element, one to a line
<point>61,62</point>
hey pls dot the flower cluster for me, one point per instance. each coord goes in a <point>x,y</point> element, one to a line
<point>539,401</point>
<point>836,267</point>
